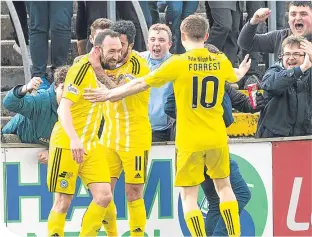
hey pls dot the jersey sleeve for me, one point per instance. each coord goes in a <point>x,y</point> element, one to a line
<point>167,72</point>
<point>229,72</point>
<point>144,69</point>
<point>74,82</point>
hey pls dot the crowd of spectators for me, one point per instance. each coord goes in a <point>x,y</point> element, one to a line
<point>285,106</point>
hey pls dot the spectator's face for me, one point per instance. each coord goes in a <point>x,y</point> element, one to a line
<point>158,43</point>
<point>126,48</point>
<point>293,56</point>
<point>92,37</point>
<point>59,92</point>
<point>110,52</point>
<point>300,20</point>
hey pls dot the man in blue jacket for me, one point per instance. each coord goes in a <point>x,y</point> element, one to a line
<point>36,114</point>
<point>159,43</point>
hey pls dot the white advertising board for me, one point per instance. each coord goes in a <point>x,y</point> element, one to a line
<point>29,203</point>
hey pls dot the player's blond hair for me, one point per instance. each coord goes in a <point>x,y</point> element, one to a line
<point>158,27</point>
<point>100,23</point>
<point>195,27</point>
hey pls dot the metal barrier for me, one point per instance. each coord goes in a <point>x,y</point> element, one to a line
<point>21,40</point>
<point>142,20</point>
<point>111,14</point>
<point>272,26</point>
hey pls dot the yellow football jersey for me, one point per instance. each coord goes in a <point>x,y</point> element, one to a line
<point>127,125</point>
<point>198,79</point>
<point>86,116</point>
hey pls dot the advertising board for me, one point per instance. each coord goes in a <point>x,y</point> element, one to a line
<point>292,188</point>
<point>27,201</point>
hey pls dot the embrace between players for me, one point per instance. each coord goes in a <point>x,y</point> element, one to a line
<point>113,82</point>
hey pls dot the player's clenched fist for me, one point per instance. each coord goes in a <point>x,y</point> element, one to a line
<point>260,16</point>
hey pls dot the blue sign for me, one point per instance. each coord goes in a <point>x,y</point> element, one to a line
<point>159,183</point>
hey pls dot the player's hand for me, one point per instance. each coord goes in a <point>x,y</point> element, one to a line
<point>259,101</point>
<point>95,58</point>
<point>260,16</point>
<point>307,47</point>
<point>77,150</point>
<point>43,157</point>
<point>245,65</point>
<point>96,95</point>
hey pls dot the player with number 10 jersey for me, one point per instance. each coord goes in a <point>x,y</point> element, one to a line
<point>198,77</point>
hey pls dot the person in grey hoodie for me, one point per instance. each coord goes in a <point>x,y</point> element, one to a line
<point>300,24</point>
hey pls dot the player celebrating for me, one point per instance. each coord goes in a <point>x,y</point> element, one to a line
<point>127,135</point>
<point>198,77</point>
<point>74,146</point>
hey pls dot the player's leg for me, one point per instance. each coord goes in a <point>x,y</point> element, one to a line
<point>61,179</point>
<point>115,168</point>
<point>215,225</point>
<point>189,174</point>
<point>94,173</point>
<point>218,164</point>
<point>110,220</point>
<point>135,165</point>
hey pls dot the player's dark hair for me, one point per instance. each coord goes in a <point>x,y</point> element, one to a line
<point>125,28</point>
<point>102,35</point>
<point>301,4</point>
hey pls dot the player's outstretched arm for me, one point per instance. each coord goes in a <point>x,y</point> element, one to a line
<point>103,94</point>
<point>243,67</point>
<point>66,120</point>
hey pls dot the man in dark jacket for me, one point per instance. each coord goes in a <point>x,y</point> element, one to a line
<point>36,114</point>
<point>287,92</point>
<point>300,24</point>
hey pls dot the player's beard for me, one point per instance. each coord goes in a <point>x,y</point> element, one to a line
<point>124,57</point>
<point>105,63</point>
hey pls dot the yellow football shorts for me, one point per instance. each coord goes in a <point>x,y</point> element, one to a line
<point>134,163</point>
<point>63,170</point>
<point>190,166</point>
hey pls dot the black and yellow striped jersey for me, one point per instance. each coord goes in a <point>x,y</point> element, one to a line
<point>86,116</point>
<point>127,125</point>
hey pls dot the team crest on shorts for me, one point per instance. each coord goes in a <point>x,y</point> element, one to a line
<point>64,183</point>
<point>72,89</point>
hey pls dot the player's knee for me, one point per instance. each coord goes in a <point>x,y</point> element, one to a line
<point>134,192</point>
<point>222,184</point>
<point>189,193</point>
<point>62,202</point>
<point>103,198</point>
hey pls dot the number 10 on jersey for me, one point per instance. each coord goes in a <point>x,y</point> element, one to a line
<point>203,93</point>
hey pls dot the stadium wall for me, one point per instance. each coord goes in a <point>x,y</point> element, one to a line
<point>277,172</point>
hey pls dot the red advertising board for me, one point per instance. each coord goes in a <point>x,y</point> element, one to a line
<point>292,188</point>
